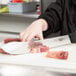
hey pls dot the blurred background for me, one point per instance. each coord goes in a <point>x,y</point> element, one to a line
<point>16,15</point>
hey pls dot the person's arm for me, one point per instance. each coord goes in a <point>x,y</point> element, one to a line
<point>47,23</point>
<point>53,17</point>
<point>34,30</point>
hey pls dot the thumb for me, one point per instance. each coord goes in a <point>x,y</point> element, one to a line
<point>39,36</point>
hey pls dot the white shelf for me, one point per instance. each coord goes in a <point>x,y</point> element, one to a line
<point>29,15</point>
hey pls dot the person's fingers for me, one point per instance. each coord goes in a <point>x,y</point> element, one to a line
<point>22,35</point>
<point>31,32</point>
<point>24,39</point>
<point>30,37</point>
<point>39,36</point>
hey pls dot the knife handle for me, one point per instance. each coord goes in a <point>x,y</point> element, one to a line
<point>73,37</point>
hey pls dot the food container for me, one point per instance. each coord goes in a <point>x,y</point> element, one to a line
<point>22,7</point>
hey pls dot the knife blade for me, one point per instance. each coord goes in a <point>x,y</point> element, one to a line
<point>57,41</point>
<point>72,37</point>
<point>60,41</point>
<point>15,47</point>
<point>22,47</point>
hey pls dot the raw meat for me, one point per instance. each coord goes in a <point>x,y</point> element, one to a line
<point>11,40</point>
<point>33,44</point>
<point>2,51</point>
<point>37,47</point>
<point>57,54</point>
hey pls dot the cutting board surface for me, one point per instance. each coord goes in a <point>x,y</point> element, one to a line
<point>40,60</point>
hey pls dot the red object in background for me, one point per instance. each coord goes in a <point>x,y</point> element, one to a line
<point>17,1</point>
<point>38,10</point>
<point>11,40</point>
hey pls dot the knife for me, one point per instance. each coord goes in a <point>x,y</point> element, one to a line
<point>22,47</point>
<point>72,37</point>
<point>60,41</point>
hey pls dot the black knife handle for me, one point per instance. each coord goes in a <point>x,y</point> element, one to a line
<point>73,37</point>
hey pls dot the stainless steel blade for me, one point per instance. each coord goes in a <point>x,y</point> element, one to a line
<point>57,41</point>
<point>22,47</point>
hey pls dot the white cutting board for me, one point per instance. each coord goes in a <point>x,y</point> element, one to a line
<point>40,61</point>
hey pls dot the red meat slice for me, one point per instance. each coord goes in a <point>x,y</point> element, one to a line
<point>2,51</point>
<point>33,44</point>
<point>44,48</point>
<point>57,54</point>
<point>37,47</point>
<point>35,50</point>
<point>11,40</point>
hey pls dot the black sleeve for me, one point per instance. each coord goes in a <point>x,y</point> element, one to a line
<point>53,16</point>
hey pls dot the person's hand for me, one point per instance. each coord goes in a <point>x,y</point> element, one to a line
<point>34,30</point>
